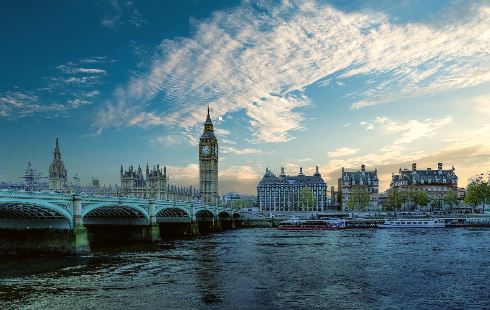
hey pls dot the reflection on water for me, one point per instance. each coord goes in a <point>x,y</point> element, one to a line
<point>208,272</point>
<point>265,268</point>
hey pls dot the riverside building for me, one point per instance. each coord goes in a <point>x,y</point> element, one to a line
<point>435,182</point>
<point>366,179</point>
<point>283,192</point>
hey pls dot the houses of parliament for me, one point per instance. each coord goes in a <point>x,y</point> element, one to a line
<point>154,182</point>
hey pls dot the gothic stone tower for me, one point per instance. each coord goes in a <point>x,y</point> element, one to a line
<point>57,171</point>
<point>208,164</point>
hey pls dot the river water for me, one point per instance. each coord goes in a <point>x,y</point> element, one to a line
<point>265,269</point>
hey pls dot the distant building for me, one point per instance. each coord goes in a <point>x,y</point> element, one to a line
<point>57,171</point>
<point>282,193</point>
<point>435,182</point>
<point>95,183</point>
<point>241,200</point>
<point>153,184</point>
<point>366,179</point>
<point>461,193</point>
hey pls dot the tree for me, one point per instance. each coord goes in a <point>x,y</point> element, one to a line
<point>394,200</point>
<point>450,198</point>
<point>411,197</point>
<point>421,198</point>
<point>307,199</point>
<point>241,203</point>
<point>359,198</point>
<point>477,193</point>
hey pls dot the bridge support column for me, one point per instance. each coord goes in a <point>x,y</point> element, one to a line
<point>154,229</point>
<point>80,235</point>
<point>193,229</point>
<point>217,224</point>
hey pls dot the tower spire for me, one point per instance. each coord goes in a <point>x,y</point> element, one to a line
<point>208,119</point>
<point>57,152</point>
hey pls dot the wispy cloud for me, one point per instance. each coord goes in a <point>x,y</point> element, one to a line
<point>66,68</point>
<point>122,12</point>
<point>19,104</point>
<point>342,152</point>
<point>261,60</point>
<point>239,151</point>
<point>412,130</point>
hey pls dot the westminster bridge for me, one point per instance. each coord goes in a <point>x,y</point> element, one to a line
<point>70,223</point>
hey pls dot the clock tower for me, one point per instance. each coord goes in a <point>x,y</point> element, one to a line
<point>208,164</point>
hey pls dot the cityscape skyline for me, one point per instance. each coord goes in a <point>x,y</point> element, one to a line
<point>402,84</point>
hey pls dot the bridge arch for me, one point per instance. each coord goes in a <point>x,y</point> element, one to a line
<point>236,216</point>
<point>204,213</point>
<point>114,210</point>
<point>224,215</point>
<point>173,215</point>
<point>14,208</point>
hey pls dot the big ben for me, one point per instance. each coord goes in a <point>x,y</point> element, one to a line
<point>208,164</point>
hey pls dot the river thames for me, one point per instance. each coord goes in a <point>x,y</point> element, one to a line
<point>265,269</point>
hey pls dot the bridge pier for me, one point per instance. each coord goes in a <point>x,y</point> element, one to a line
<point>154,228</point>
<point>217,225</point>
<point>80,235</point>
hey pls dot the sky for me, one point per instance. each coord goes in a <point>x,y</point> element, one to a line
<point>289,84</point>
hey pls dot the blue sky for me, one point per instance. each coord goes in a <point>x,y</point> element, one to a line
<point>327,83</point>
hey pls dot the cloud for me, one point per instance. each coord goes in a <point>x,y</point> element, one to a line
<point>91,94</point>
<point>137,19</point>
<point>73,70</point>
<point>342,152</point>
<point>146,120</point>
<point>110,21</point>
<point>76,103</point>
<point>367,125</point>
<point>241,179</point>
<point>120,12</point>
<point>412,130</point>
<point>481,104</point>
<point>238,151</point>
<point>96,60</point>
<point>186,175</point>
<point>20,104</point>
<point>259,59</point>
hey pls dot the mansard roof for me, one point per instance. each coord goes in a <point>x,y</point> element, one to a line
<point>355,177</point>
<point>429,176</point>
<point>301,180</point>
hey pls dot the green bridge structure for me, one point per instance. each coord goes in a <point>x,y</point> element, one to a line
<point>71,223</point>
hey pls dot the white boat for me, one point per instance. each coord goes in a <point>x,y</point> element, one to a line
<point>412,223</point>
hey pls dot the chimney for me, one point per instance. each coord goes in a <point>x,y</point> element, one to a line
<point>363,167</point>
<point>282,170</point>
<point>439,166</point>
<point>414,166</point>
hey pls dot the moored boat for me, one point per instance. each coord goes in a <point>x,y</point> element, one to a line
<point>321,224</point>
<point>413,223</point>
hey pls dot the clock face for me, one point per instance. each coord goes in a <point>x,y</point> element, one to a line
<point>206,149</point>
